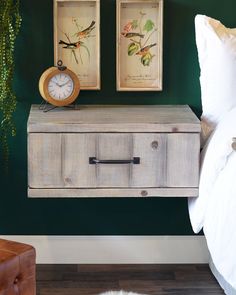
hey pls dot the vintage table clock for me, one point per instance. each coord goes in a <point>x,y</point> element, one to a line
<point>59,86</point>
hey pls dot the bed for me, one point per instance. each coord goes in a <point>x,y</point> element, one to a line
<point>214,210</point>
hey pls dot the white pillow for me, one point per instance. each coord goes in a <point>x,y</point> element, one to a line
<point>216,47</point>
<point>214,158</point>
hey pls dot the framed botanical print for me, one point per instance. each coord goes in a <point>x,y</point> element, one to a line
<point>77,39</point>
<point>139,45</point>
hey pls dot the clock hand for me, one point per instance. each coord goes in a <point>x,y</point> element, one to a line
<point>61,85</point>
<point>56,83</point>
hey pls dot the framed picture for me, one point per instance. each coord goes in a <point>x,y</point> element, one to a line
<point>77,39</point>
<point>139,45</point>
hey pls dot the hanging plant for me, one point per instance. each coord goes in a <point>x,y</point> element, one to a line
<point>10,22</point>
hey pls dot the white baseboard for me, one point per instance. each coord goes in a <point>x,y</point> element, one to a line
<point>117,249</point>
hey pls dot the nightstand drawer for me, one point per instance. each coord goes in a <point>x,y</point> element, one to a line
<point>113,151</point>
<point>113,160</point>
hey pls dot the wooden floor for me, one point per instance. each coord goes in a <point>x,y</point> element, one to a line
<point>145,279</point>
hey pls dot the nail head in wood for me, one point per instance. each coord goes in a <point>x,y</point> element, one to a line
<point>144,193</point>
<point>154,145</point>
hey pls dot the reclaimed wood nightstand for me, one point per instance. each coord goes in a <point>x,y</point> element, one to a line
<point>113,151</point>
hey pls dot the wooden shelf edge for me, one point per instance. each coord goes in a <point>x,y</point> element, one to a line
<point>111,192</point>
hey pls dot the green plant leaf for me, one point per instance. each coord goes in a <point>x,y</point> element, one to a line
<point>149,25</point>
<point>134,24</point>
<point>132,48</point>
<point>10,22</point>
<point>146,59</point>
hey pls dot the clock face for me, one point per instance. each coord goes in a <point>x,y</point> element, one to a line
<point>60,86</point>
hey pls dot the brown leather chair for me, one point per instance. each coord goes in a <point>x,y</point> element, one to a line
<point>17,268</point>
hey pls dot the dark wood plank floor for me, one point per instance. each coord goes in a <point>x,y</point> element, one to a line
<point>146,279</point>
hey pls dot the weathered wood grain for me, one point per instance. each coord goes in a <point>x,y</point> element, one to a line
<point>182,159</point>
<point>150,118</point>
<point>112,192</point>
<point>113,146</point>
<point>151,148</point>
<point>77,171</point>
<point>164,138</point>
<point>148,279</point>
<point>45,160</point>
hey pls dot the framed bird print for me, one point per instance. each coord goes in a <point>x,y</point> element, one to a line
<point>77,39</point>
<point>139,45</point>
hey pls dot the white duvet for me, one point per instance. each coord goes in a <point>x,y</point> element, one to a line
<point>215,208</point>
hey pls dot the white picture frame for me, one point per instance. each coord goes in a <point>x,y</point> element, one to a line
<point>77,39</point>
<point>139,50</point>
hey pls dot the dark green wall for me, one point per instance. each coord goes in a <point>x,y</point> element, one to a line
<point>34,53</point>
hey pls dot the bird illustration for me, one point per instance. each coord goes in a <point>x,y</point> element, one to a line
<point>128,27</point>
<point>131,35</point>
<point>73,45</point>
<point>87,31</point>
<point>145,49</point>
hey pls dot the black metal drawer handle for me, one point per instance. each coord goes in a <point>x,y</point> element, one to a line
<point>94,160</point>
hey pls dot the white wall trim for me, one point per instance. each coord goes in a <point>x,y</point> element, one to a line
<point>117,249</point>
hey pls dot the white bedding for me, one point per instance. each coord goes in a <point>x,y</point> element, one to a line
<point>215,208</point>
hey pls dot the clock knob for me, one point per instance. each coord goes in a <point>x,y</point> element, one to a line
<point>60,65</point>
